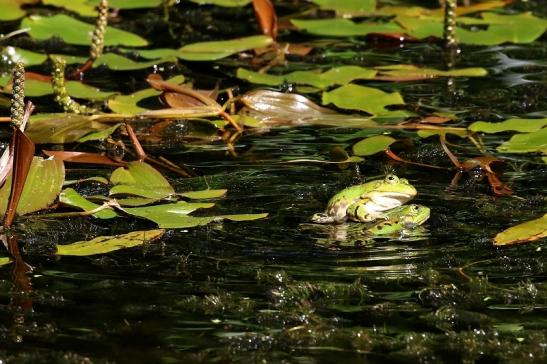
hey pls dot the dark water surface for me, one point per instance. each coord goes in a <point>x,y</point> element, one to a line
<point>277,291</point>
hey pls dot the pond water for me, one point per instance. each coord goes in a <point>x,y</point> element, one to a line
<point>279,290</point>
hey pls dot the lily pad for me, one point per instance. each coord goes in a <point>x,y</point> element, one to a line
<point>70,197</point>
<point>107,244</point>
<point>43,185</point>
<point>348,7</point>
<point>210,51</point>
<point>42,28</point>
<point>362,98</point>
<point>204,194</point>
<point>60,128</point>
<point>528,142</point>
<point>343,27</point>
<point>523,233</point>
<point>520,125</point>
<point>140,179</point>
<point>334,76</point>
<point>372,145</point>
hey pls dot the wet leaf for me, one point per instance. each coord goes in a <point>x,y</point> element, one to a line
<point>372,145</point>
<point>266,17</point>
<point>334,76</point>
<point>100,135</point>
<point>70,197</point>
<point>523,233</point>
<point>88,7</point>
<point>405,72</point>
<point>348,7</point>
<point>140,179</point>
<point>29,58</point>
<point>170,215</point>
<point>107,244</point>
<point>82,157</point>
<point>60,128</point>
<point>196,195</point>
<point>120,63</point>
<point>362,98</point>
<point>210,51</point>
<point>127,104</point>
<point>520,125</point>
<point>79,90</point>
<point>344,27</point>
<point>44,182</point>
<point>42,28</point>
<point>524,143</point>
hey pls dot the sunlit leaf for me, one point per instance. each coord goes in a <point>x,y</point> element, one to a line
<point>520,125</point>
<point>348,7</point>
<point>44,182</point>
<point>97,179</point>
<point>210,51</point>
<point>70,197</point>
<point>11,10</point>
<point>79,90</point>
<point>227,3</point>
<point>127,104</point>
<point>169,215</point>
<point>107,244</point>
<point>334,76</point>
<point>524,143</point>
<point>5,261</point>
<point>60,128</point>
<point>42,28</point>
<point>140,179</point>
<point>362,98</point>
<point>88,7</point>
<point>523,233</point>
<point>372,145</point>
<point>343,27</point>
<point>407,71</point>
<point>120,63</point>
<point>29,58</point>
<point>266,17</point>
<point>196,195</point>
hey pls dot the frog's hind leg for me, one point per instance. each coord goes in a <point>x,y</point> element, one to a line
<point>358,211</point>
<point>322,218</point>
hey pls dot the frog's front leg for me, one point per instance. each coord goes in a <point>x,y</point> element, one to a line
<point>363,210</point>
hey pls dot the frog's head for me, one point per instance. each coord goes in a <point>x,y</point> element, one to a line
<point>392,191</point>
<point>414,215</point>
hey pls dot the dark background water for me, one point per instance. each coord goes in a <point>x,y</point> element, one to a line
<point>274,290</point>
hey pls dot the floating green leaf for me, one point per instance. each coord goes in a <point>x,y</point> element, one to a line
<point>29,58</point>
<point>88,7</point>
<point>60,128</point>
<point>140,179</point>
<point>127,104</point>
<point>70,197</point>
<point>170,215</point>
<point>5,261</point>
<point>227,3</point>
<point>120,63</point>
<point>362,98</point>
<point>11,10</point>
<point>334,76</point>
<point>76,89</point>
<point>100,135</point>
<point>372,145</point>
<point>196,195</point>
<point>107,244</point>
<point>42,28</point>
<point>43,185</point>
<point>348,7</point>
<point>523,233</point>
<point>524,143</point>
<point>408,70</point>
<point>344,27</point>
<point>210,51</point>
<point>520,125</point>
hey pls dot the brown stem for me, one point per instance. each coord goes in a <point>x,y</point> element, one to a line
<point>135,141</point>
<point>452,157</point>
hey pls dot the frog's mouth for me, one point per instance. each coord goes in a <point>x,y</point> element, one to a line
<point>389,200</point>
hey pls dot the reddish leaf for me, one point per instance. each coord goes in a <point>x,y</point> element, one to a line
<point>80,157</point>
<point>486,163</point>
<point>266,17</point>
<point>176,100</point>
<point>433,119</point>
<point>23,152</point>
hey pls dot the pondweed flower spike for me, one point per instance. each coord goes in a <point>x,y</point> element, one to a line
<point>60,91</point>
<point>97,39</point>
<point>18,95</point>
<point>450,23</point>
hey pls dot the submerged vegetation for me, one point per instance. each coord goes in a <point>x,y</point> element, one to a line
<point>201,136</point>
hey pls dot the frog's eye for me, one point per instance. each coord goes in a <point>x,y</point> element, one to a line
<point>414,208</point>
<point>392,179</point>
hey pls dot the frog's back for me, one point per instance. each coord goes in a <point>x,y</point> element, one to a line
<point>350,194</point>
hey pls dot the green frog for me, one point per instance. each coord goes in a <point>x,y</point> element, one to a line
<point>366,202</point>
<point>399,219</point>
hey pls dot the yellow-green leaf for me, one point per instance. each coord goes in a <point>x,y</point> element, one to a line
<point>523,233</point>
<point>107,244</point>
<point>72,198</point>
<point>204,194</point>
<point>140,179</point>
<point>525,143</point>
<point>362,98</point>
<point>520,125</point>
<point>372,145</point>
<point>210,51</point>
